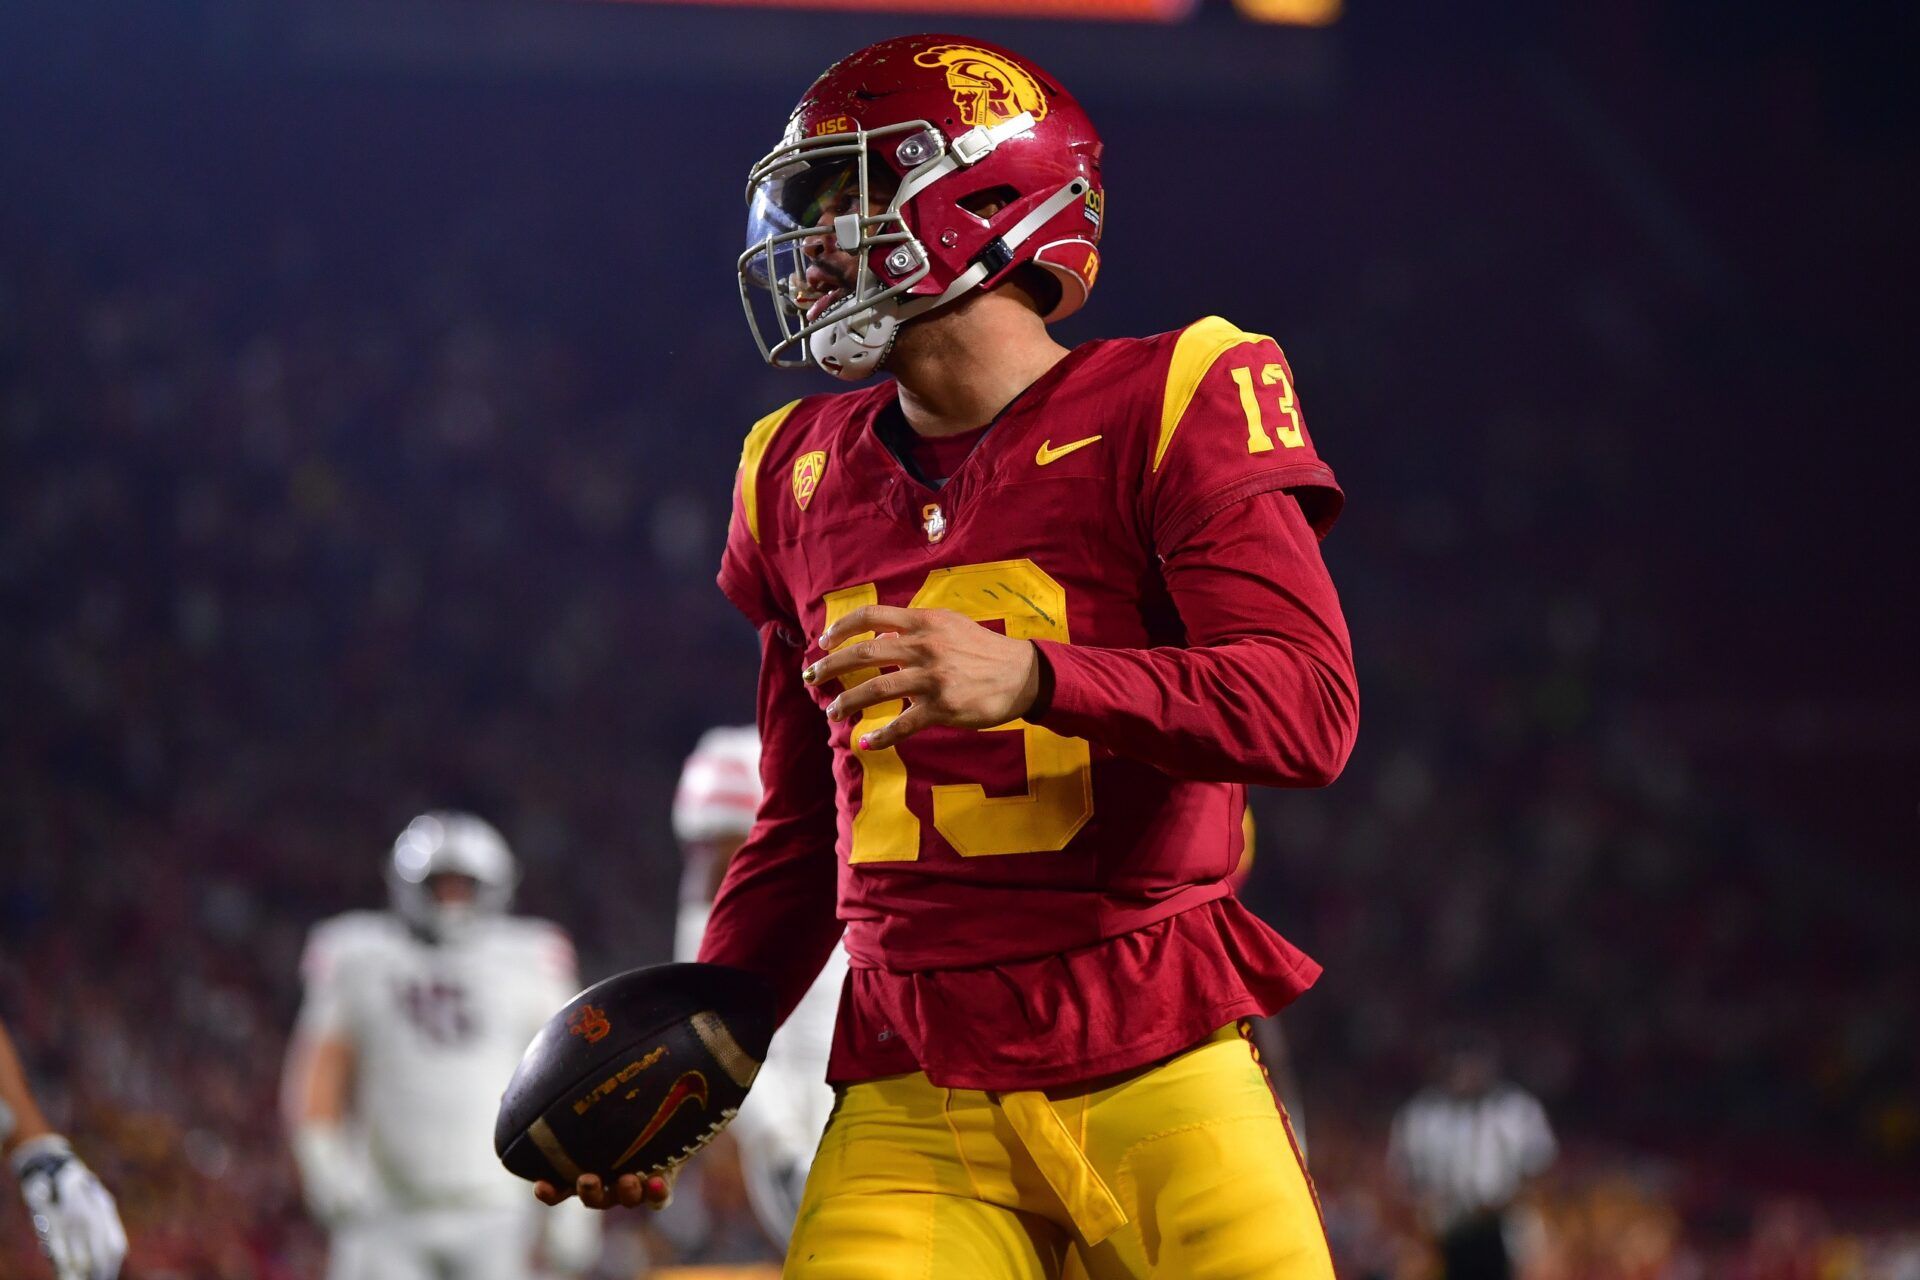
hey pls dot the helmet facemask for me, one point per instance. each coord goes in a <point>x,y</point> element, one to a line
<point>829,193</point>
<point>851,335</point>
<point>449,844</point>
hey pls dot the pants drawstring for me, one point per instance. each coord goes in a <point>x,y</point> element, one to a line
<point>1096,1213</point>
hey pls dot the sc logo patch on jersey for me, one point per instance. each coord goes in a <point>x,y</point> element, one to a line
<point>807,470</point>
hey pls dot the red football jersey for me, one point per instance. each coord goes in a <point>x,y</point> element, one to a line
<point>1046,901</point>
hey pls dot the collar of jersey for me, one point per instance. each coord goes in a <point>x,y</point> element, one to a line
<point>893,481</point>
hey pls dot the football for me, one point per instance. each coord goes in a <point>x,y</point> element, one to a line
<point>635,1073</point>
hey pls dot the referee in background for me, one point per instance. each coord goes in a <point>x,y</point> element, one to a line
<point>1464,1148</point>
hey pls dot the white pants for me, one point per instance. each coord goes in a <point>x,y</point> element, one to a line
<point>436,1244</point>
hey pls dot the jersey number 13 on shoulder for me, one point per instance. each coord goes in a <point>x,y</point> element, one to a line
<point>1258,441</point>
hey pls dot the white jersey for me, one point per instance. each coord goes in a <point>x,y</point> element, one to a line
<point>436,1031</point>
<point>786,1111</point>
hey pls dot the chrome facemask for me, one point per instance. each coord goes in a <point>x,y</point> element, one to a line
<point>788,195</point>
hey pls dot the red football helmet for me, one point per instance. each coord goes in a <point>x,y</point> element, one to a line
<point>937,163</point>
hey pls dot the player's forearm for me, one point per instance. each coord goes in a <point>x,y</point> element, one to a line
<point>314,1099</point>
<point>317,1082</point>
<point>774,913</point>
<point>1263,692</point>
<point>1254,711</point>
<point>20,1117</point>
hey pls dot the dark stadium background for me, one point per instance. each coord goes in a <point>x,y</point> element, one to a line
<point>371,380</point>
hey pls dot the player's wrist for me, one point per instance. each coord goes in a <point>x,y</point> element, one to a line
<point>330,1177</point>
<point>20,1124</point>
<point>1039,692</point>
<point>45,1150</point>
<point>319,1148</point>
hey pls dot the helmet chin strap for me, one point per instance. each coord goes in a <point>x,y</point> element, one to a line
<point>855,347</point>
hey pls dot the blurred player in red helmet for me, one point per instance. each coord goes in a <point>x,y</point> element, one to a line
<point>1031,621</point>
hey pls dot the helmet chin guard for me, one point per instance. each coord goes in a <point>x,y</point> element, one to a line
<point>914,172</point>
<point>855,348</point>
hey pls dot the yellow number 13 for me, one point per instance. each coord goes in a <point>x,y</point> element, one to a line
<point>1289,431</point>
<point>1059,795</point>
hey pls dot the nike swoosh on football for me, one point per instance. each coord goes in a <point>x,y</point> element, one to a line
<point>1048,453</point>
<point>690,1087</point>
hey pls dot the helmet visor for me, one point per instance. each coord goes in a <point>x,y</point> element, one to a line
<point>792,202</point>
<point>801,196</point>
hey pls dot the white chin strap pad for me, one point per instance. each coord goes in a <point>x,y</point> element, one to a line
<point>853,350</point>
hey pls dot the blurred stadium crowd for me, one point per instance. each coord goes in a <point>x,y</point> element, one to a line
<point>369,450</point>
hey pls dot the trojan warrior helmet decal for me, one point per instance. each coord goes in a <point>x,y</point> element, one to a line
<point>987,88</point>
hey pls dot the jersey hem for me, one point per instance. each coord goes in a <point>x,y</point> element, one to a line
<point>1138,1055</point>
<point>1225,963</point>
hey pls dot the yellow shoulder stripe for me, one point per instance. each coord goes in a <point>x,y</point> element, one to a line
<point>1194,352</point>
<point>750,454</point>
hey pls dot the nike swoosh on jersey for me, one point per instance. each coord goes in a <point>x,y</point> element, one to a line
<point>1049,454</point>
<point>690,1087</point>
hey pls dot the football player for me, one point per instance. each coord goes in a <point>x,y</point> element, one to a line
<point>780,1124</point>
<point>414,1019</point>
<point>1031,621</point>
<point>74,1216</point>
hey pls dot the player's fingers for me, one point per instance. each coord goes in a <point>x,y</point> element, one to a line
<point>79,1258</point>
<point>547,1193</point>
<point>903,726</point>
<point>630,1190</point>
<point>872,617</point>
<point>59,1251</point>
<point>659,1192</point>
<point>900,684</point>
<point>591,1193</point>
<point>887,650</point>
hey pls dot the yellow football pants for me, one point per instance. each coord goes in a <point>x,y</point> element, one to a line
<point>1186,1170</point>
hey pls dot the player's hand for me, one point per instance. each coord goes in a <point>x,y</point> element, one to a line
<point>952,671</point>
<point>628,1191</point>
<point>74,1216</point>
<point>334,1177</point>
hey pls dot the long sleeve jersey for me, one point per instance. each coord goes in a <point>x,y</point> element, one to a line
<point>1045,901</point>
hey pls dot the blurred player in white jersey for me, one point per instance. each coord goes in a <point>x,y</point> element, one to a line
<point>779,1127</point>
<point>413,1022</point>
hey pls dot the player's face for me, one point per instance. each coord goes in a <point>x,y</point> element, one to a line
<point>829,270</point>
<point>452,890</point>
<point>1470,1072</point>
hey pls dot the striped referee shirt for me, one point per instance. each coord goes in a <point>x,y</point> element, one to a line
<point>1465,1156</point>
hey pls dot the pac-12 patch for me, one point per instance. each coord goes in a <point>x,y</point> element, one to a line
<point>807,470</point>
